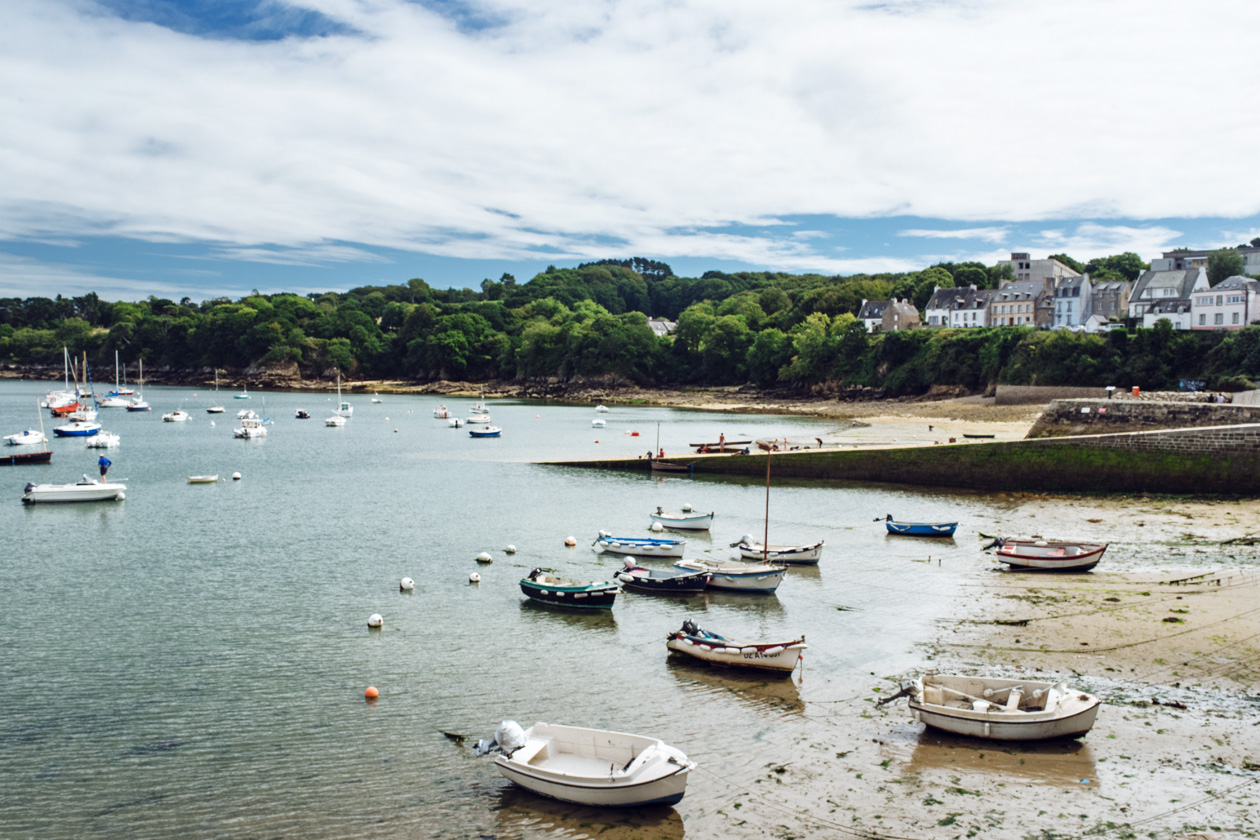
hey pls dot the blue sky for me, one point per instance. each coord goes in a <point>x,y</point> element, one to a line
<point>210,148</point>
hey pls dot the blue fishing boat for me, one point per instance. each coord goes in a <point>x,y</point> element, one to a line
<point>486,432</point>
<point>920,529</point>
<point>543,586</point>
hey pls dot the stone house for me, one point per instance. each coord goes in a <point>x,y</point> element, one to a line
<point>1231,304</point>
<point>872,314</point>
<point>1154,287</point>
<point>900,315</point>
<point>1109,299</point>
<point>1027,303</point>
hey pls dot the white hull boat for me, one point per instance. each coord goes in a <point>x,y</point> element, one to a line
<point>376,398</point>
<point>103,440</point>
<point>740,653</point>
<point>747,577</point>
<point>806,555</point>
<point>114,402</point>
<point>251,427</point>
<point>688,520</point>
<point>478,418</point>
<point>601,408</point>
<point>640,546</point>
<point>1048,554</point>
<point>598,424</point>
<point>441,413</point>
<point>1000,709</point>
<point>335,420</point>
<point>84,490</point>
<point>79,428</point>
<point>29,437</point>
<point>176,416</point>
<point>597,767</point>
<point>203,479</point>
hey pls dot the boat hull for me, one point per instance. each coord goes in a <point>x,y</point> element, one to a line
<point>597,767</point>
<point>684,521</point>
<point>1040,711</point>
<point>801,555</point>
<point>19,458</point>
<point>922,529</point>
<point>595,596</point>
<point>1050,556</point>
<point>759,578</point>
<point>664,582</point>
<point>68,493</point>
<point>779,657</point>
<point>637,547</point>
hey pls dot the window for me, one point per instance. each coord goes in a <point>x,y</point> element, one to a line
<point>1220,299</point>
<point>1235,317</point>
<point>1220,318</point>
<point>1202,319</point>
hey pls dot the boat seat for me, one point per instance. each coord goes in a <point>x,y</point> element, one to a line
<point>534,751</point>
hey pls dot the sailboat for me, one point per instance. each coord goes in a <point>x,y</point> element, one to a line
<point>658,465</point>
<point>244,394</point>
<point>217,408</point>
<point>64,401</point>
<point>344,409</point>
<point>750,549</point>
<point>42,457</point>
<point>114,399</point>
<point>80,425</point>
<point>137,402</point>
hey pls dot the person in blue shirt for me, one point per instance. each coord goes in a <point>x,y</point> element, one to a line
<point>104,464</point>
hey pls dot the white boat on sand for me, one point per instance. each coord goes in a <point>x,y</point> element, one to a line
<point>688,520</point>
<point>1000,709</point>
<point>804,555</point>
<point>1049,554</point>
<point>591,766</point>
<point>723,650</point>
<point>746,577</point>
<point>84,490</point>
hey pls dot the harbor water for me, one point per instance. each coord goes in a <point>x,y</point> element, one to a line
<point>191,662</point>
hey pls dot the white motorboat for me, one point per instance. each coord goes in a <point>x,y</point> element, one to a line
<point>601,408</point>
<point>176,416</point>
<point>748,577</point>
<point>335,420</point>
<point>83,415</point>
<point>476,419</point>
<point>640,546</point>
<point>376,397</point>
<point>84,490</point>
<point>723,650</point>
<point>688,520</point>
<point>1000,709</point>
<point>29,437</point>
<point>114,402</point>
<point>441,412</point>
<point>804,555</point>
<point>592,766</point>
<point>1049,554</point>
<point>103,440</point>
<point>251,427</point>
<point>203,479</point>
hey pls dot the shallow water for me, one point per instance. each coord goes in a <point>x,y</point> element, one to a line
<point>191,661</point>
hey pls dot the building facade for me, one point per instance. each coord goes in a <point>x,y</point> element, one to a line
<point>1025,303</point>
<point>955,308</point>
<point>1183,260</point>
<point>1231,304</point>
<point>1109,300</point>
<point>1025,267</point>
<point>900,315</point>
<point>872,314</point>
<point>1072,301</point>
<point>1164,286</point>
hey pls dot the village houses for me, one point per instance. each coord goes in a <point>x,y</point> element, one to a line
<point>1231,304</point>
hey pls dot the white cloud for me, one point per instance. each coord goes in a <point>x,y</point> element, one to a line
<point>570,126</point>
<point>989,234</point>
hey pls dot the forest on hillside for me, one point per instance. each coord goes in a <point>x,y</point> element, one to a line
<point>590,322</point>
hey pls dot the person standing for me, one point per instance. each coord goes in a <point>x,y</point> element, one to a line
<point>104,463</point>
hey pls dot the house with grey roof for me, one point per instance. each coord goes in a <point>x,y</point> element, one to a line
<point>662,327</point>
<point>899,315</point>
<point>1162,286</point>
<point>872,314</point>
<point>1109,299</point>
<point>1176,311</point>
<point>1072,301</point>
<point>1028,303</point>
<point>963,307</point>
<point>1231,304</point>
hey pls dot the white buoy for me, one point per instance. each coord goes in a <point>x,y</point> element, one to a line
<point>484,557</point>
<point>570,541</point>
<point>686,508</point>
<point>657,527</point>
<point>511,549</point>
<point>236,476</point>
<point>406,584</point>
<point>375,621</point>
<point>473,577</point>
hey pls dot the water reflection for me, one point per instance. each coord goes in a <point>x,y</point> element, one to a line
<point>1060,762</point>
<point>521,814</point>
<point>537,614</point>
<point>764,691</point>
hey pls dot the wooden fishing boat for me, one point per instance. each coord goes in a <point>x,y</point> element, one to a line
<point>978,437</point>
<point>715,649</point>
<point>547,588</point>
<point>688,520</point>
<point>801,555</point>
<point>920,529</point>
<point>640,546</point>
<point>19,458</point>
<point>1000,709</point>
<point>745,577</point>
<point>720,445</point>
<point>662,581</point>
<point>657,465</point>
<point>595,766</point>
<point>1049,554</point>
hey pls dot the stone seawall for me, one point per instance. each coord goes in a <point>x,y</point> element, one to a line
<point>1087,417</point>
<point>1041,394</point>
<point>1220,460</point>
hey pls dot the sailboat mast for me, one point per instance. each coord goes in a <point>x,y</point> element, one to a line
<point>765,537</point>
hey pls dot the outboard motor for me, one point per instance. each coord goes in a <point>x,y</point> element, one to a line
<point>689,627</point>
<point>30,485</point>
<point>534,573</point>
<point>508,738</point>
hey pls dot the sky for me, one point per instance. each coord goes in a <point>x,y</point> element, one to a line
<point>209,148</point>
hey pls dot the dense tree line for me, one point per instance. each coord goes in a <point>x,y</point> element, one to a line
<point>764,328</point>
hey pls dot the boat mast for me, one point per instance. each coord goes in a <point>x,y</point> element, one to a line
<point>765,537</point>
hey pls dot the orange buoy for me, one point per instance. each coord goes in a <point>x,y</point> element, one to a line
<point>371,693</point>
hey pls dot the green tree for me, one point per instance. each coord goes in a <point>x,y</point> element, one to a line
<point>771,349</point>
<point>1222,264</point>
<point>1075,265</point>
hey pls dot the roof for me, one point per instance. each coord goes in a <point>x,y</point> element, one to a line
<point>1072,282</point>
<point>1170,255</point>
<point>1172,307</point>
<point>1180,281</point>
<point>872,309</point>
<point>1238,281</point>
<point>1020,290</point>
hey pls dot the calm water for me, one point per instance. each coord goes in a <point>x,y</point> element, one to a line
<point>191,662</point>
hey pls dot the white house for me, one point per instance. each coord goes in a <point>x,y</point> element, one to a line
<point>1164,286</point>
<point>1176,311</point>
<point>965,307</point>
<point>1231,304</point>
<point>1026,268</point>
<point>1072,301</point>
<point>872,314</point>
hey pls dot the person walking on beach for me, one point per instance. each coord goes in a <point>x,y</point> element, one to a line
<point>722,442</point>
<point>104,464</point>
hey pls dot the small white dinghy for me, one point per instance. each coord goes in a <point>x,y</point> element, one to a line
<point>801,555</point>
<point>640,546</point>
<point>747,577</point>
<point>590,766</point>
<point>688,520</point>
<point>999,709</point>
<point>691,640</point>
<point>203,479</point>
